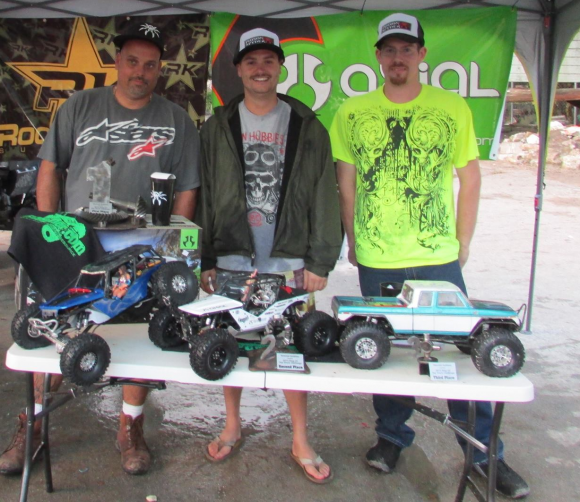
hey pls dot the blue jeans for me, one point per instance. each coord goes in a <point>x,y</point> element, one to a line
<point>391,416</point>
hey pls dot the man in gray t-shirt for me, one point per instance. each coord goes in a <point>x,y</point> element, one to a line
<point>95,125</point>
<point>139,130</point>
<point>142,133</point>
<point>264,142</point>
<point>268,202</point>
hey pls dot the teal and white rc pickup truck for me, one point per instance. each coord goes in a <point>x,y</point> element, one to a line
<point>436,311</point>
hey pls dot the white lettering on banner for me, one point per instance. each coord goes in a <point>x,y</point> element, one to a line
<point>350,71</point>
<point>291,64</point>
<point>467,91</point>
<point>474,90</point>
<point>439,70</point>
<point>468,80</point>
<point>321,89</point>
<point>484,141</point>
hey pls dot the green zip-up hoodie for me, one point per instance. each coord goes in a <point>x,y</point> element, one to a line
<point>308,218</point>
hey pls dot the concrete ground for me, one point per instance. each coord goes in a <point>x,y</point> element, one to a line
<point>542,437</point>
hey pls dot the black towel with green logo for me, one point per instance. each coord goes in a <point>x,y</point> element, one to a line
<point>53,248</point>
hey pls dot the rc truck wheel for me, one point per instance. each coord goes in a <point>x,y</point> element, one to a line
<point>316,334</point>
<point>176,281</point>
<point>214,355</point>
<point>21,331</point>
<point>365,345</point>
<point>164,330</point>
<point>85,359</point>
<point>498,353</point>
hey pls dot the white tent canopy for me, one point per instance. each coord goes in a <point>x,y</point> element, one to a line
<point>544,31</point>
<point>531,37</point>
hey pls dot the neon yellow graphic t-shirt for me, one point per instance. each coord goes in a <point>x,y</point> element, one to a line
<point>404,156</point>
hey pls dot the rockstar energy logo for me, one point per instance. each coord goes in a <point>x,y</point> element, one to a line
<point>83,68</point>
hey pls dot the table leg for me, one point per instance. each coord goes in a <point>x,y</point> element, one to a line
<point>44,436</point>
<point>468,462</point>
<point>29,435</point>
<point>466,480</point>
<point>492,453</point>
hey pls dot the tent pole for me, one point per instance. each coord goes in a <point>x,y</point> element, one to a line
<point>545,109</point>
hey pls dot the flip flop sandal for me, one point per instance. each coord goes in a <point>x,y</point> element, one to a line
<point>234,445</point>
<point>303,462</point>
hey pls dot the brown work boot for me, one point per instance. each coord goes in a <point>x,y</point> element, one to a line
<point>135,457</point>
<point>12,459</point>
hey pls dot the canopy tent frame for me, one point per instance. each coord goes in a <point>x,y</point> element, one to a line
<point>544,31</point>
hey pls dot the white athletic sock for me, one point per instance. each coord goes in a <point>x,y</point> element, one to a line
<point>37,409</point>
<point>133,411</point>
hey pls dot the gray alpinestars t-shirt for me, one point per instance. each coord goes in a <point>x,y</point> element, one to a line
<point>91,127</point>
<point>264,142</point>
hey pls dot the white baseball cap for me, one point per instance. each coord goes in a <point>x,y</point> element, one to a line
<point>257,39</point>
<point>402,25</point>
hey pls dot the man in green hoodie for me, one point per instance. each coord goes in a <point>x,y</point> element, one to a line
<point>268,202</point>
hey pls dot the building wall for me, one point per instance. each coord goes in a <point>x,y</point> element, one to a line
<point>569,71</point>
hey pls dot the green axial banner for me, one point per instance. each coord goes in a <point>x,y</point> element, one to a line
<point>330,58</point>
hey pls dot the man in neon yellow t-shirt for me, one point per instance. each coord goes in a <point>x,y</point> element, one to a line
<point>396,148</point>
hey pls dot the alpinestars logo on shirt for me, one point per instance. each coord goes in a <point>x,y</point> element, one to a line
<point>147,139</point>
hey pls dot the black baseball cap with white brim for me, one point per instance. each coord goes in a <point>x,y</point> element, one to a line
<point>141,31</point>
<point>257,39</point>
<point>401,26</point>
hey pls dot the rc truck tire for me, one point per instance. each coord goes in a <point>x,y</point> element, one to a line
<point>164,330</point>
<point>21,329</point>
<point>214,355</point>
<point>176,281</point>
<point>316,334</point>
<point>498,353</point>
<point>365,345</point>
<point>85,359</point>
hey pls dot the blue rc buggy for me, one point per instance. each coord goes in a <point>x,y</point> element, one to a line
<point>121,280</point>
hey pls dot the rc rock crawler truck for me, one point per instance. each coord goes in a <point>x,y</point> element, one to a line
<point>104,289</point>
<point>261,305</point>
<point>437,311</point>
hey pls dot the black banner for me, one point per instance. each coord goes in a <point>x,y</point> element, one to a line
<point>42,62</point>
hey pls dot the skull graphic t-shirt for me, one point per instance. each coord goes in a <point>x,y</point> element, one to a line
<point>264,143</point>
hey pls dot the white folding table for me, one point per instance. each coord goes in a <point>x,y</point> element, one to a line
<point>133,356</point>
